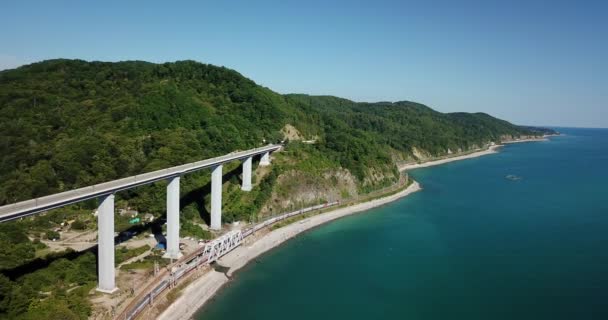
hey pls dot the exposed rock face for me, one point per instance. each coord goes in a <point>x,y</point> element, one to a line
<point>377,176</point>
<point>291,133</point>
<point>508,137</point>
<point>295,189</point>
<point>420,154</point>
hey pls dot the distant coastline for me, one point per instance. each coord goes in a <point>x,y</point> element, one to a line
<point>410,166</point>
<point>544,138</point>
<point>204,288</point>
<point>490,150</point>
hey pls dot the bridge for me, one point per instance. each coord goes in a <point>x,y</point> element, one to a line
<point>105,193</point>
<point>211,252</point>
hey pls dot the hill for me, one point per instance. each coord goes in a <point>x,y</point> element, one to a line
<point>70,123</point>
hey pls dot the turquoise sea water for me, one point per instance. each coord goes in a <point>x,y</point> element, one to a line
<point>472,245</point>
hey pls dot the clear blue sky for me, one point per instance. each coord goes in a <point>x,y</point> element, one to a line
<point>530,62</point>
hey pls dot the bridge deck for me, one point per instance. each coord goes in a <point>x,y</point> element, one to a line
<point>33,206</point>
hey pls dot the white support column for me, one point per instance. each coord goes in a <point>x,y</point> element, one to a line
<point>173,219</point>
<point>265,161</point>
<point>247,174</point>
<point>216,198</point>
<point>105,248</point>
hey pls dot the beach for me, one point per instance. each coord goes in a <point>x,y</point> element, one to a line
<point>410,166</point>
<point>492,149</point>
<point>526,140</point>
<point>204,288</point>
<point>472,238</point>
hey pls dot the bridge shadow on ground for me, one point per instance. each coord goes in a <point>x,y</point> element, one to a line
<point>198,195</point>
<point>155,227</point>
<point>43,262</point>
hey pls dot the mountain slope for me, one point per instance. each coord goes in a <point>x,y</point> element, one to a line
<point>70,123</point>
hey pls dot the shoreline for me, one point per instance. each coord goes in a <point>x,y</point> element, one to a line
<point>526,140</point>
<point>204,288</point>
<point>490,150</point>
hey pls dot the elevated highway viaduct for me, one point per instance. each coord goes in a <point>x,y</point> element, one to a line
<point>105,193</point>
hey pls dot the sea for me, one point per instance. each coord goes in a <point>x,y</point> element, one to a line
<point>521,234</point>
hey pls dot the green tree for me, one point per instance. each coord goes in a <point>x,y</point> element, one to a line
<point>53,235</point>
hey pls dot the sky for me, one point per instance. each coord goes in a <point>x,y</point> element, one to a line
<point>528,62</point>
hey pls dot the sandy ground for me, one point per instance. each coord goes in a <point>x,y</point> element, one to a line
<point>490,150</point>
<point>205,287</point>
<point>202,289</point>
<point>411,166</point>
<point>195,295</point>
<point>525,140</point>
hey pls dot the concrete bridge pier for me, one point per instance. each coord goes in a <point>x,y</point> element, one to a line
<point>265,160</point>
<point>216,198</point>
<point>105,213</point>
<point>247,174</point>
<point>173,219</point>
<point>105,249</point>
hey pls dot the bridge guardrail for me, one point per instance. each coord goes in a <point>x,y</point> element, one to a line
<point>33,206</point>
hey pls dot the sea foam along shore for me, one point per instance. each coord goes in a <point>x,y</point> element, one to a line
<point>204,288</point>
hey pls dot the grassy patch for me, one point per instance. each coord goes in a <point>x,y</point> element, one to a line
<point>123,254</point>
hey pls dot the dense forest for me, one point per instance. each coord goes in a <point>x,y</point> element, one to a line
<point>70,123</point>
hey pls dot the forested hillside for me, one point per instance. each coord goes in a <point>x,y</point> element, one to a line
<point>70,123</point>
<point>66,124</point>
<point>400,126</point>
